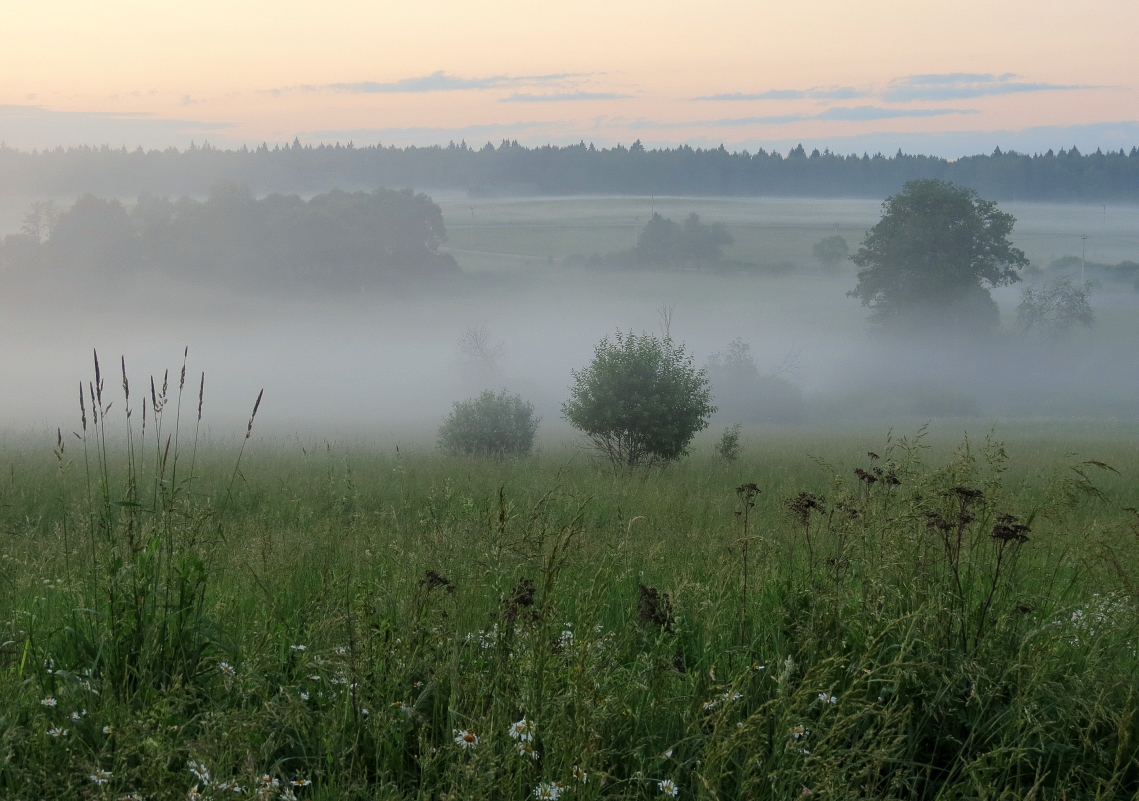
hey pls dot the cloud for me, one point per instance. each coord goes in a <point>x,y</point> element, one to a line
<point>842,113</point>
<point>866,113</point>
<point>39,127</point>
<point>429,135</point>
<point>816,93</point>
<point>442,82</point>
<point>947,86</point>
<point>518,97</point>
<point>961,85</point>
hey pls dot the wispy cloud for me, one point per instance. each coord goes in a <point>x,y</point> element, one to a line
<point>36,126</point>
<point>843,113</point>
<point>432,134</point>
<point>816,93</point>
<point>865,113</point>
<point>946,86</point>
<point>960,85</point>
<point>440,81</point>
<point>520,97</point>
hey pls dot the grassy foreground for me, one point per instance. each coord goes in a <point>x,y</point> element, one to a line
<point>351,624</point>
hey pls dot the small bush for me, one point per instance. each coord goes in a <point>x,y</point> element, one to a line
<point>728,448</point>
<point>490,425</point>
<point>640,401</point>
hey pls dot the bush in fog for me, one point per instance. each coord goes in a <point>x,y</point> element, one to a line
<point>1054,309</point>
<point>490,425</point>
<point>932,257</point>
<point>664,242</point>
<point>743,393</point>
<point>728,448</point>
<point>640,401</point>
<point>830,252</point>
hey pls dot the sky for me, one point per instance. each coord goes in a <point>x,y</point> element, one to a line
<point>944,78</point>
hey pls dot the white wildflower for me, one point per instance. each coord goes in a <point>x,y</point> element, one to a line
<point>49,702</point>
<point>200,771</point>
<point>100,777</point>
<point>668,787</point>
<point>547,791</point>
<point>522,730</point>
<point>465,739</point>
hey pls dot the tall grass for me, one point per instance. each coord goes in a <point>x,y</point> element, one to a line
<point>334,624</point>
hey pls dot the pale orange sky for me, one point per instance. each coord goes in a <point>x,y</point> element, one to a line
<point>156,73</point>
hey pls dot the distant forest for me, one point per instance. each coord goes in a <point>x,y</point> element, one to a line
<point>1066,175</point>
<point>338,239</point>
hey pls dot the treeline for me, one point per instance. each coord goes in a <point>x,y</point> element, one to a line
<point>664,243</point>
<point>338,238</point>
<point>1066,175</point>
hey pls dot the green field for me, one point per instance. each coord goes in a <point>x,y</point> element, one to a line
<point>340,615</point>
<point>768,231</point>
<point>322,610</point>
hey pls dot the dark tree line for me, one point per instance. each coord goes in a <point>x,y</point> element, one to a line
<point>350,239</point>
<point>575,169</point>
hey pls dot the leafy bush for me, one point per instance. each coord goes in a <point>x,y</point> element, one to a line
<point>728,448</point>
<point>490,425</point>
<point>831,251</point>
<point>640,401</point>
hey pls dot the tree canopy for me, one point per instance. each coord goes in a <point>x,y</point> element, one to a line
<point>933,256</point>
<point>664,242</point>
<point>640,401</point>
<point>339,238</point>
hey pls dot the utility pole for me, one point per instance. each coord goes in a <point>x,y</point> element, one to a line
<point>472,237</point>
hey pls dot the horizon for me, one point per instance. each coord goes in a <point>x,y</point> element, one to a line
<point>875,78</point>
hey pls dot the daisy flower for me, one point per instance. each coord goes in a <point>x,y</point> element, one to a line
<point>547,791</point>
<point>668,787</point>
<point>200,771</point>
<point>465,739</point>
<point>522,730</point>
<point>101,777</point>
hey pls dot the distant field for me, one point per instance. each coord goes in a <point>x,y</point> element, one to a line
<point>767,230</point>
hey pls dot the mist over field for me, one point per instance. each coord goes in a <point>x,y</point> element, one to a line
<point>383,362</point>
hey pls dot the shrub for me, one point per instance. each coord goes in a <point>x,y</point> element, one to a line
<point>728,448</point>
<point>640,401</point>
<point>490,425</point>
<point>831,251</point>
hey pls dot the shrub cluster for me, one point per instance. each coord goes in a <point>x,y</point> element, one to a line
<point>490,425</point>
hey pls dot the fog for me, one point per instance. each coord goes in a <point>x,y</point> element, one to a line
<point>384,364</point>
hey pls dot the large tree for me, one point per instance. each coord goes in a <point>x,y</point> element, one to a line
<point>933,256</point>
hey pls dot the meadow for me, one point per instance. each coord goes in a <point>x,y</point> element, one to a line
<point>836,614</point>
<point>328,607</point>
